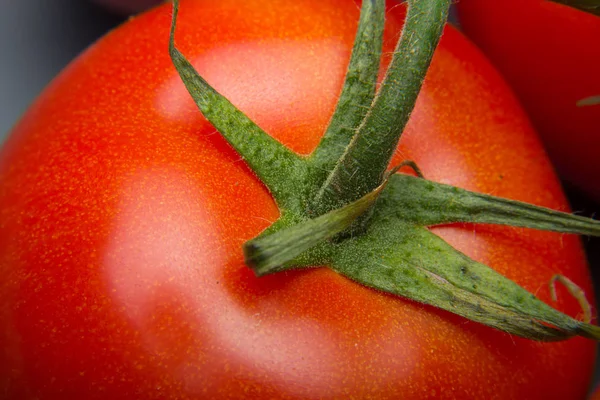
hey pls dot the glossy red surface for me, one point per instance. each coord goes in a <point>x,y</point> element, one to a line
<point>123,212</point>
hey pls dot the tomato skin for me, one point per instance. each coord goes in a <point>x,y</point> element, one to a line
<point>549,54</point>
<point>122,215</point>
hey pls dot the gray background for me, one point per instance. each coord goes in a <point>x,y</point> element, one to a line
<point>39,37</point>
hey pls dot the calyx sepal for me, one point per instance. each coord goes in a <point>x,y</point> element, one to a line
<point>321,197</point>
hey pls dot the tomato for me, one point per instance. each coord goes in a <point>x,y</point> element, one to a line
<point>128,6</point>
<point>123,213</point>
<point>549,54</point>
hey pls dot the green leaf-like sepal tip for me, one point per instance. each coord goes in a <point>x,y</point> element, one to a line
<point>589,101</point>
<point>412,262</point>
<point>280,169</point>
<point>589,6</point>
<point>428,203</point>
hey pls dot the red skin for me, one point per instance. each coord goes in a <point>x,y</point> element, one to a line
<point>123,214</point>
<point>550,55</point>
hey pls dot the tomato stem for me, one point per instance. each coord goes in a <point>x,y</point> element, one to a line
<point>364,162</point>
<point>357,94</point>
<point>270,253</point>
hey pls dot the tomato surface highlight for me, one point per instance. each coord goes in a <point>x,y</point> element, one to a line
<point>123,213</point>
<point>549,54</point>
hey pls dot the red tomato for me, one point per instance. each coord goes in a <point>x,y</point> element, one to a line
<point>123,213</point>
<point>550,55</point>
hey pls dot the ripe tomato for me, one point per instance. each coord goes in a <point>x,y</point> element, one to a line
<point>549,54</point>
<point>123,213</point>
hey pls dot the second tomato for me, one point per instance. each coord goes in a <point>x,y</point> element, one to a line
<point>550,55</point>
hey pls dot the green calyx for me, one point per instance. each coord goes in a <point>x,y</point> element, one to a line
<point>590,6</point>
<point>589,101</point>
<point>339,207</point>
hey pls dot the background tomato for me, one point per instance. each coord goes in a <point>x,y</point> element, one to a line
<point>123,212</point>
<point>549,54</point>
